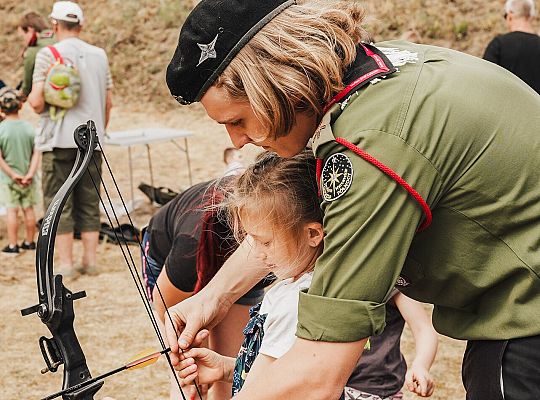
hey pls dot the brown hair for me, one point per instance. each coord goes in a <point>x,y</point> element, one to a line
<point>69,26</point>
<point>32,20</point>
<point>283,189</point>
<point>296,62</point>
<point>11,100</point>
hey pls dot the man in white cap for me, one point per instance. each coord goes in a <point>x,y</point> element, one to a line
<point>55,137</point>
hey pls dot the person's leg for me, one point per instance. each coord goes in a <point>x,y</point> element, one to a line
<point>481,370</point>
<point>226,338</point>
<point>521,369</point>
<point>90,241</point>
<point>87,215</point>
<point>56,166</point>
<point>64,251</point>
<point>12,226</point>
<point>30,224</point>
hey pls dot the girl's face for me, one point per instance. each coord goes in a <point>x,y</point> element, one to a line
<point>287,255</point>
<point>244,127</point>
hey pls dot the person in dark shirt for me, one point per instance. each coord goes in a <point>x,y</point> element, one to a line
<point>185,243</point>
<point>519,50</point>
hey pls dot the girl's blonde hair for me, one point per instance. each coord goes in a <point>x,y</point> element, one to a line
<point>284,190</point>
<point>296,62</point>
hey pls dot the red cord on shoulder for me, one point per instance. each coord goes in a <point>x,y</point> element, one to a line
<point>392,174</point>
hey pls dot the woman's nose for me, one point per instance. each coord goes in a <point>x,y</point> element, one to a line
<point>239,140</point>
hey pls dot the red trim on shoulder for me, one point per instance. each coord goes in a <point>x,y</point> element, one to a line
<point>382,68</point>
<point>318,170</point>
<point>56,54</point>
<point>392,174</point>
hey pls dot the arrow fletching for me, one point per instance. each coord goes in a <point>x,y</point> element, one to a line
<point>141,360</point>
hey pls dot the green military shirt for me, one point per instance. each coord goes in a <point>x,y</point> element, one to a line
<point>466,135</point>
<point>45,38</point>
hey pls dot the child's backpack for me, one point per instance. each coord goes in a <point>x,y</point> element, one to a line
<point>62,86</point>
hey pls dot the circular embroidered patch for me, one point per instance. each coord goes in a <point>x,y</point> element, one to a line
<point>336,176</point>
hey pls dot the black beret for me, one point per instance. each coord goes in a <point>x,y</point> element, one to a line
<point>213,33</point>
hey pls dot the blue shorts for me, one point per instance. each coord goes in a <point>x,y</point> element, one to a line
<point>151,270</point>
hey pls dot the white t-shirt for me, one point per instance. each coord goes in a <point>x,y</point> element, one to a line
<point>280,304</point>
<point>93,66</point>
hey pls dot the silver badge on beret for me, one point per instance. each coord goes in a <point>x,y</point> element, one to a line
<point>207,50</point>
<point>336,176</point>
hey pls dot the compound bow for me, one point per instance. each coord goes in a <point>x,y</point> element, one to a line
<point>55,307</point>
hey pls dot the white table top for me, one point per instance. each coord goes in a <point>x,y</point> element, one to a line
<point>144,136</point>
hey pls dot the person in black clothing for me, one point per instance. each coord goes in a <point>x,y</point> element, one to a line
<point>519,50</point>
<point>184,245</point>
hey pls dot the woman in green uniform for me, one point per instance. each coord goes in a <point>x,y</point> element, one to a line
<point>429,173</point>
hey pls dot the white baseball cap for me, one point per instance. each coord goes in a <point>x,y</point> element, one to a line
<point>67,11</point>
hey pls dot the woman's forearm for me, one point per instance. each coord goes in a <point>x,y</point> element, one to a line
<point>237,276</point>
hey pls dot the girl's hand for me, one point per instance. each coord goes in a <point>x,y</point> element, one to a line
<point>17,179</point>
<point>202,364</point>
<point>27,180</point>
<point>418,380</point>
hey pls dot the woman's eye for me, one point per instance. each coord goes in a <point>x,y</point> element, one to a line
<point>236,123</point>
<point>266,244</point>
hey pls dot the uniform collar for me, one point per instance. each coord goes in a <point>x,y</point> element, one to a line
<point>370,63</point>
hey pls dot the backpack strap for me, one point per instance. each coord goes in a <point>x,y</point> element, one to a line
<point>56,54</point>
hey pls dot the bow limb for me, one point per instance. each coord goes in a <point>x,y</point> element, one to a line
<point>55,307</point>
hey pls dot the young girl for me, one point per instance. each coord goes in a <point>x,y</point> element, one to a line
<point>276,206</point>
<point>184,245</point>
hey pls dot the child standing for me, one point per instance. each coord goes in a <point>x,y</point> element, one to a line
<point>275,205</point>
<point>18,163</point>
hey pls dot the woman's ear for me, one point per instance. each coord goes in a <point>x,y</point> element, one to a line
<point>314,233</point>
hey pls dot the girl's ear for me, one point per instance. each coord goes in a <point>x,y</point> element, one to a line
<point>314,233</point>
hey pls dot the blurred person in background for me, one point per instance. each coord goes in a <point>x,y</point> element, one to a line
<point>36,35</point>
<point>519,50</point>
<point>18,163</point>
<point>55,136</point>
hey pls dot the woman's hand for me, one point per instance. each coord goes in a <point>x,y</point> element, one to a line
<point>188,317</point>
<point>205,365</point>
<point>241,272</point>
<point>418,380</point>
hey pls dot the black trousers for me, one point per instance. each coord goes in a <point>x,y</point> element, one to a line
<point>502,369</point>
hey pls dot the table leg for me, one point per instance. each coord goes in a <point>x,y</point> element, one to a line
<point>131,177</point>
<point>151,173</point>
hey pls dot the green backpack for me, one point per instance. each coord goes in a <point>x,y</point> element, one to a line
<point>62,86</point>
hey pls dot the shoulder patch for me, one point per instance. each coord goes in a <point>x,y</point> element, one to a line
<point>336,176</point>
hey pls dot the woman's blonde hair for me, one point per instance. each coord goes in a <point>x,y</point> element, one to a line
<point>284,190</point>
<point>296,62</point>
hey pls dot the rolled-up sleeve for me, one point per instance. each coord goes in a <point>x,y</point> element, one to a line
<point>368,232</point>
